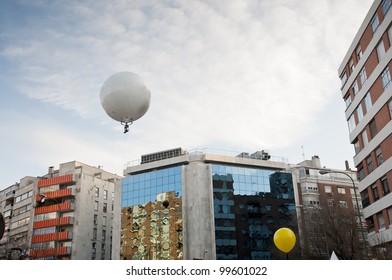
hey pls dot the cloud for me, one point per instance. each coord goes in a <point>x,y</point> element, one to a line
<point>242,73</point>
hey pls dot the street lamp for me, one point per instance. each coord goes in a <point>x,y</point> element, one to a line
<point>323,172</point>
<point>42,201</point>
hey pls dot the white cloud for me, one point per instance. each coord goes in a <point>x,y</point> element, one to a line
<point>242,73</point>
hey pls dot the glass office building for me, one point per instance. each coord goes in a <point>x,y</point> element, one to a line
<point>151,215</point>
<point>204,207</point>
<point>250,204</point>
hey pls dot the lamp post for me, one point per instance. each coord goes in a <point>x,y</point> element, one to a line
<point>323,172</point>
<point>42,201</point>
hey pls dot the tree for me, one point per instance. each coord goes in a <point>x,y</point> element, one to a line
<point>331,229</point>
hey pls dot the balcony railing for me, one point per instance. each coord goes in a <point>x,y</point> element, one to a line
<point>62,207</point>
<point>53,222</point>
<point>56,180</point>
<point>56,194</point>
<point>61,251</point>
<point>63,235</point>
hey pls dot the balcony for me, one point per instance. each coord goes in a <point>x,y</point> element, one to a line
<point>50,252</point>
<point>56,181</point>
<point>57,194</point>
<point>64,221</point>
<point>62,207</point>
<point>62,236</point>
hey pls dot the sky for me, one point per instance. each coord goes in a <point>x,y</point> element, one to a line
<point>238,75</point>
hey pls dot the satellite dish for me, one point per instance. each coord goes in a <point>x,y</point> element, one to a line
<point>125,98</point>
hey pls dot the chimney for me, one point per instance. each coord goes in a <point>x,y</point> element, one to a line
<point>50,171</point>
<point>316,161</point>
<point>347,165</point>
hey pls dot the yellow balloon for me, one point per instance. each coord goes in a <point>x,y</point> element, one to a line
<point>284,239</point>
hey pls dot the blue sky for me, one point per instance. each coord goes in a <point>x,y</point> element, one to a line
<point>233,75</point>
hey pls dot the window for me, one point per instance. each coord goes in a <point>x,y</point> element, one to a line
<point>374,22</point>
<point>390,215</point>
<point>331,203</point>
<point>369,163</point>
<point>343,78</point>
<point>348,101</point>
<point>94,233</point>
<point>385,185</point>
<point>328,189</point>
<point>365,198</point>
<point>368,102</point>
<point>103,235</point>
<point>105,208</point>
<point>386,4</point>
<point>354,87</point>
<point>359,112</point>
<point>104,220</point>
<point>351,65</point>
<point>351,123</point>
<point>381,221</point>
<point>361,174</point>
<point>341,190</point>
<point>96,192</point>
<point>96,205</point>
<point>23,196</point>
<point>93,250</point>
<point>370,224</point>
<point>386,78</point>
<point>343,204</point>
<point>365,139</point>
<point>375,192</point>
<point>380,50</point>
<point>105,194</point>
<point>359,52</point>
<point>362,75</point>
<point>103,252</point>
<point>357,147</point>
<point>7,213</point>
<point>95,219</point>
<point>379,156</point>
<point>390,107</point>
<point>373,128</point>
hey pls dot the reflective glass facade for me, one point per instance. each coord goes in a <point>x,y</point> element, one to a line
<point>250,204</point>
<point>151,218</point>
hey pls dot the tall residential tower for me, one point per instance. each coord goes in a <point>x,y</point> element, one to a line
<point>367,92</point>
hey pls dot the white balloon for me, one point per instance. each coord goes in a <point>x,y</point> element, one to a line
<point>124,97</point>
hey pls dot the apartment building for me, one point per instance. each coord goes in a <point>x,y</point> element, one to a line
<point>65,214</point>
<point>16,204</point>
<point>330,213</point>
<point>367,92</point>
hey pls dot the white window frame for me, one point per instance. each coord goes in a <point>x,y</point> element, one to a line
<point>386,5</point>
<point>362,75</point>
<point>368,102</point>
<point>359,112</point>
<point>354,87</point>
<point>365,138</point>
<point>386,78</point>
<point>341,190</point>
<point>374,22</point>
<point>351,123</point>
<point>380,50</point>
